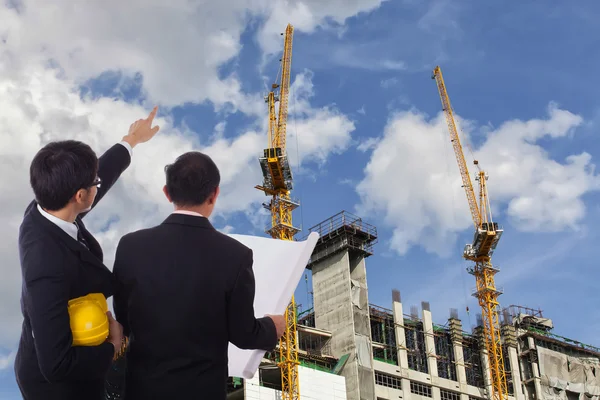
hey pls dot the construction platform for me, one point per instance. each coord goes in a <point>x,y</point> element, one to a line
<point>342,231</point>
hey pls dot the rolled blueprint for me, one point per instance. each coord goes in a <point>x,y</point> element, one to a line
<point>278,267</point>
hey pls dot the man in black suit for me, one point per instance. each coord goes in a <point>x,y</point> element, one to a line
<point>61,260</point>
<point>184,290</point>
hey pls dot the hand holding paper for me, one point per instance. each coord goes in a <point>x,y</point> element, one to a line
<point>279,321</point>
<point>278,267</point>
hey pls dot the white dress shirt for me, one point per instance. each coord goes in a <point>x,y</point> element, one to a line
<point>70,228</point>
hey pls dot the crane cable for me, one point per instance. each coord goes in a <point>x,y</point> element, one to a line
<point>449,179</point>
<point>293,93</point>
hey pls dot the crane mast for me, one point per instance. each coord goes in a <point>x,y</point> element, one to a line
<point>277,183</point>
<point>487,234</point>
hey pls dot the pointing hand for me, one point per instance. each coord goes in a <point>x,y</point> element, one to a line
<point>141,130</point>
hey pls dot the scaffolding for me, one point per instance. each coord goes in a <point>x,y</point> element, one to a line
<point>314,345</point>
<point>383,335</point>
<point>562,344</point>
<point>314,342</point>
<point>525,318</point>
<point>340,232</point>
<point>415,344</point>
<point>472,360</point>
<point>515,310</point>
<point>307,318</point>
<point>444,350</point>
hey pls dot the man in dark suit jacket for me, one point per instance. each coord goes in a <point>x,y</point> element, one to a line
<point>184,291</point>
<point>61,260</point>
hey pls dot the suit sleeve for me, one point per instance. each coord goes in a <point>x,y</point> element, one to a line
<point>246,331</point>
<point>47,290</point>
<point>120,293</point>
<point>111,165</point>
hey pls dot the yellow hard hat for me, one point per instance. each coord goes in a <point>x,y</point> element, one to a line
<point>89,322</point>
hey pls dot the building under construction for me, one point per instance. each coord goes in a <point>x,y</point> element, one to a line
<point>352,349</point>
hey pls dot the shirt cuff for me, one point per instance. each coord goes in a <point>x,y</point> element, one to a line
<point>127,146</point>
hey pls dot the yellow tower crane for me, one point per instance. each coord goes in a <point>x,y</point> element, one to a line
<point>487,234</point>
<point>277,182</point>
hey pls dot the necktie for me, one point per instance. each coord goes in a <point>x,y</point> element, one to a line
<point>80,238</point>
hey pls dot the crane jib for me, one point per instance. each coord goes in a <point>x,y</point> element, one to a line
<point>486,237</point>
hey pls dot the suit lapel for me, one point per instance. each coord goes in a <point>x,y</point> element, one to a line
<point>86,255</point>
<point>94,246</point>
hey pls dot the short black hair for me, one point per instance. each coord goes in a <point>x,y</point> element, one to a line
<point>59,170</point>
<point>192,178</point>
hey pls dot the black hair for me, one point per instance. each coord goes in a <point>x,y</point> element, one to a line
<point>192,179</point>
<point>59,170</point>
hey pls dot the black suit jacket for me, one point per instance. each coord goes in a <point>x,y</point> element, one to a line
<point>56,268</point>
<point>183,291</point>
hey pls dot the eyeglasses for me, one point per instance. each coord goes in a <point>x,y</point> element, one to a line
<point>96,183</point>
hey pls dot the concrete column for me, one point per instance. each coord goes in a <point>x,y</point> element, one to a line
<point>429,343</point>
<point>510,340</point>
<point>398,311</point>
<point>455,326</point>
<point>485,364</point>
<point>406,393</point>
<point>461,373</point>
<point>513,358</point>
<point>341,307</point>
<point>333,312</point>
<point>362,325</point>
<point>485,361</point>
<point>536,370</point>
<point>400,335</point>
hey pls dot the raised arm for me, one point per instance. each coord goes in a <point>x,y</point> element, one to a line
<point>111,165</point>
<point>246,331</point>
<point>116,159</point>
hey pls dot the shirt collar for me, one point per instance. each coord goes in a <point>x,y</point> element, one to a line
<point>188,213</point>
<point>69,228</point>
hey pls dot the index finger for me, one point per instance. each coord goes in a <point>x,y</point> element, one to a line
<point>152,114</point>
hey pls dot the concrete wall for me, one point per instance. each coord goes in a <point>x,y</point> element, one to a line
<point>383,392</point>
<point>341,307</point>
<point>314,385</point>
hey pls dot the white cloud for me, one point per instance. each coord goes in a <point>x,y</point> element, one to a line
<point>368,144</point>
<point>388,83</point>
<point>178,48</point>
<point>412,178</point>
<point>307,15</point>
<point>7,360</point>
<point>313,133</point>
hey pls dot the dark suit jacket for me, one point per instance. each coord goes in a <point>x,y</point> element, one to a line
<point>183,291</point>
<point>56,268</point>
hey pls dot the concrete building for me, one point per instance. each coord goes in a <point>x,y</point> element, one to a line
<point>351,349</point>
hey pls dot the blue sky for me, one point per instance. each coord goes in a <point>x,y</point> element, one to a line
<point>500,63</point>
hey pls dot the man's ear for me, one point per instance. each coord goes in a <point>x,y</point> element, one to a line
<point>166,192</point>
<point>213,198</point>
<point>79,197</point>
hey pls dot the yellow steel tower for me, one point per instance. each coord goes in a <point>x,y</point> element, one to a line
<point>487,234</point>
<point>277,182</point>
